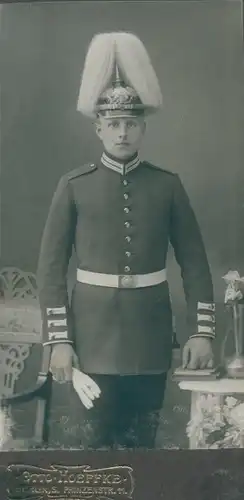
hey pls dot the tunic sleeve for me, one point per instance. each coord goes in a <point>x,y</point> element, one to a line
<point>55,252</point>
<point>190,254</point>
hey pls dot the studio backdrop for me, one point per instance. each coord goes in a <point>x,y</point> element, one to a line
<point>196,49</point>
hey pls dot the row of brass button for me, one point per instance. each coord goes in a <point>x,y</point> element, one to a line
<point>127,225</point>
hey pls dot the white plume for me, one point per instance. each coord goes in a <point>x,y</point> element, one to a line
<point>134,64</point>
<point>136,67</point>
<point>98,69</point>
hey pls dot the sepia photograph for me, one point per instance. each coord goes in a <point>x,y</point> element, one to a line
<point>121,225</point>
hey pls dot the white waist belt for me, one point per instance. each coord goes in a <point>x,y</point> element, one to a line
<point>121,281</point>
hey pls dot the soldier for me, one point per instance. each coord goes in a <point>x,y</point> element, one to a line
<point>120,214</point>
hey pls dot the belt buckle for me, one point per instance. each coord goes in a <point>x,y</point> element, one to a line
<point>127,281</point>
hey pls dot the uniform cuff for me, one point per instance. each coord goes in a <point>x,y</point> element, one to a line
<point>50,342</point>
<point>202,335</point>
<point>205,319</point>
<point>57,327</point>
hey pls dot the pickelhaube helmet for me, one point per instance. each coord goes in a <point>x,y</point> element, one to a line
<point>118,78</point>
<point>119,98</point>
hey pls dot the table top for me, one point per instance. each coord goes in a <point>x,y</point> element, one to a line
<point>221,386</point>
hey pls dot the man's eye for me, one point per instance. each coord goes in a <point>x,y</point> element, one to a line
<point>131,124</point>
<point>114,124</point>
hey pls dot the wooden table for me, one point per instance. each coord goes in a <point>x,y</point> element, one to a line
<point>203,391</point>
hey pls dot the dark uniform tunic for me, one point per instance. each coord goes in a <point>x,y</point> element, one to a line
<point>121,222</point>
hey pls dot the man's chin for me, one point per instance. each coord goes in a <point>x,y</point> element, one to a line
<point>123,152</point>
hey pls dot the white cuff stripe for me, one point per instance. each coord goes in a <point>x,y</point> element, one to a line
<point>57,322</point>
<point>206,305</point>
<point>206,329</point>
<point>205,317</point>
<point>205,335</point>
<point>56,310</point>
<point>58,342</point>
<point>60,335</point>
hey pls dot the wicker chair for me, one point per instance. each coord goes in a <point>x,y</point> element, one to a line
<point>20,330</point>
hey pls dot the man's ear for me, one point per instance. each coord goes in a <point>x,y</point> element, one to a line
<point>98,128</point>
<point>144,126</point>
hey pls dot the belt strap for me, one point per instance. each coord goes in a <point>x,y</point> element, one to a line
<point>122,281</point>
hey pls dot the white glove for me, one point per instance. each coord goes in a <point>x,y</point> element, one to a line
<point>85,387</point>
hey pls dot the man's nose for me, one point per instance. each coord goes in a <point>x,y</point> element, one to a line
<point>123,130</point>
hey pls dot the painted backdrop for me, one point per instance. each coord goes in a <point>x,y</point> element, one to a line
<point>196,48</point>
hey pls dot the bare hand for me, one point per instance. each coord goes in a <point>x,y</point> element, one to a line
<point>86,388</point>
<point>198,354</point>
<point>62,359</point>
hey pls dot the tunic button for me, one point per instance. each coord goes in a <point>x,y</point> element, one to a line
<point>127,269</point>
<point>128,254</point>
<point>126,210</point>
<point>126,196</point>
<point>127,224</point>
<point>125,182</point>
<point>128,239</point>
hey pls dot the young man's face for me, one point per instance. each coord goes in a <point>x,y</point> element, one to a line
<point>121,137</point>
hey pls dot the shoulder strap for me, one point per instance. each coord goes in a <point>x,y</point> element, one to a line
<point>156,167</point>
<point>82,170</point>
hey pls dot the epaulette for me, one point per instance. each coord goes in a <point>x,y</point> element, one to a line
<point>84,169</point>
<point>159,168</point>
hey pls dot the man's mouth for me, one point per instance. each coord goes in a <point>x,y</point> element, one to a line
<point>122,144</point>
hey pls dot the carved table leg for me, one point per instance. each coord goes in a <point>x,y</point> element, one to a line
<point>195,397</point>
<point>196,405</point>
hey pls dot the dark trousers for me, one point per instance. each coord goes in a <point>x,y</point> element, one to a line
<point>125,416</point>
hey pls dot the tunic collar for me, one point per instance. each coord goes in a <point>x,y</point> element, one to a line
<point>122,168</point>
